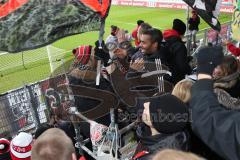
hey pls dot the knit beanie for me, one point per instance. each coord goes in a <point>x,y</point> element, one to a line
<point>179,26</point>
<point>82,54</point>
<point>208,58</point>
<point>4,149</point>
<point>139,22</point>
<point>21,146</point>
<point>168,114</point>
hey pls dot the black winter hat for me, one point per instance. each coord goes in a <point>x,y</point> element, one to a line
<point>208,58</point>
<point>139,22</point>
<point>168,114</point>
<point>179,26</point>
<point>114,28</point>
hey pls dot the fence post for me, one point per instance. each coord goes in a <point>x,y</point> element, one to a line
<point>189,36</point>
<point>205,37</point>
<point>23,62</point>
<point>34,105</point>
<point>48,114</point>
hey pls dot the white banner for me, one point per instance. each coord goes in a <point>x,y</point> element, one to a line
<point>226,6</point>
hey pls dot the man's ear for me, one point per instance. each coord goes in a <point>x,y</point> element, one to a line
<point>155,44</point>
<point>74,157</point>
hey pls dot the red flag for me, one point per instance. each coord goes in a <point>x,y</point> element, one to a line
<point>11,6</point>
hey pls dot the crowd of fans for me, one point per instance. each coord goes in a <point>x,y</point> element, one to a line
<point>197,116</point>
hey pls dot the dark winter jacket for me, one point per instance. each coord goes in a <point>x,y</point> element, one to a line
<point>230,83</point>
<point>149,59</point>
<point>149,145</point>
<point>215,126</point>
<point>226,99</point>
<point>177,58</point>
<point>194,23</point>
<point>88,97</point>
<point>197,146</point>
<point>85,103</point>
<point>227,91</point>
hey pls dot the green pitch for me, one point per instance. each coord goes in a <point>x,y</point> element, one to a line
<point>13,73</point>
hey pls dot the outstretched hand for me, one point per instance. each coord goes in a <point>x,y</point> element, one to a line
<point>137,65</point>
<point>122,36</point>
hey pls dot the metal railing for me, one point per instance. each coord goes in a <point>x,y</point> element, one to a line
<point>24,108</point>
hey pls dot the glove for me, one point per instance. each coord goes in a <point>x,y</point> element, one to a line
<point>100,53</point>
<point>208,58</point>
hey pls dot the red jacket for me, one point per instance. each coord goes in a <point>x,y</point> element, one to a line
<point>134,35</point>
<point>233,49</point>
